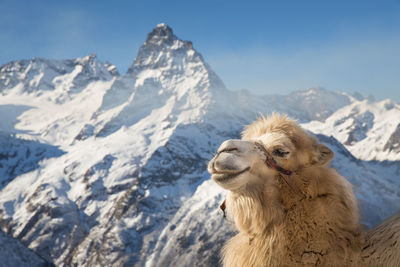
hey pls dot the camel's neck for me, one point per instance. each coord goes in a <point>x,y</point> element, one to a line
<point>323,219</point>
<point>255,210</point>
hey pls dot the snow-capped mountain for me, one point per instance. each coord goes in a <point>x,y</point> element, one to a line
<point>370,130</point>
<point>62,77</point>
<point>312,104</point>
<point>99,169</point>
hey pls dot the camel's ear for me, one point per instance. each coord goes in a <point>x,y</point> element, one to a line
<point>324,155</point>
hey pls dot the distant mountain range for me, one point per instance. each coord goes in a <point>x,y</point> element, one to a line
<point>103,169</point>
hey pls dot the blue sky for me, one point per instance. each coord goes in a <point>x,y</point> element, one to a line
<point>262,46</point>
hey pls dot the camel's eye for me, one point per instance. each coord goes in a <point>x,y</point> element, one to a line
<point>279,152</point>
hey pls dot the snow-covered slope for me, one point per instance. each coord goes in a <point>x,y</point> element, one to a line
<point>370,130</point>
<point>101,169</point>
<point>15,254</point>
<point>59,96</point>
<point>18,156</point>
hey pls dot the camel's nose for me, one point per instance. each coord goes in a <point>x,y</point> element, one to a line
<point>231,156</point>
<point>232,145</point>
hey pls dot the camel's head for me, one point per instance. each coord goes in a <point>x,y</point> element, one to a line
<point>269,146</point>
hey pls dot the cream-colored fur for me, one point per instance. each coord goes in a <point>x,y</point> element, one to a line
<point>308,218</point>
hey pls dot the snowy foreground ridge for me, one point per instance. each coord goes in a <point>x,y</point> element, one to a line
<point>103,169</point>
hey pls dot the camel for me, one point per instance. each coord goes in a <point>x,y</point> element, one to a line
<point>289,207</point>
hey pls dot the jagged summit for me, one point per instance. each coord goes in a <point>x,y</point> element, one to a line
<point>165,54</point>
<point>162,33</point>
<point>163,48</point>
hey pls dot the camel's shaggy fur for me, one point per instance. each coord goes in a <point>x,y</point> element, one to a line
<point>309,218</point>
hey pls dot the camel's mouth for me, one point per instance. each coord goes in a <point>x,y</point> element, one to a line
<point>222,177</point>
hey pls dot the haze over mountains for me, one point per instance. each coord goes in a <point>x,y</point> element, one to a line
<point>101,169</point>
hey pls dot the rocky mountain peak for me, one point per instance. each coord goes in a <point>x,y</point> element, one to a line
<point>163,48</point>
<point>162,33</point>
<point>164,54</point>
<point>87,60</point>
